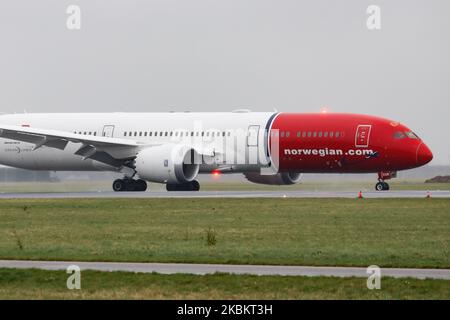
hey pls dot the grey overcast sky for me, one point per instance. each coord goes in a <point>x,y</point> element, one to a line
<point>219,55</point>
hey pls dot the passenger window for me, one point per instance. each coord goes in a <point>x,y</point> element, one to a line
<point>309,134</point>
<point>150,133</point>
<point>337,135</point>
<point>325,134</point>
<point>95,133</point>
<point>125,134</point>
<point>145,133</point>
<point>304,134</point>
<point>165,134</point>
<point>140,134</point>
<point>288,133</point>
<point>331,134</point>
<point>314,134</point>
<point>320,134</point>
<point>223,134</point>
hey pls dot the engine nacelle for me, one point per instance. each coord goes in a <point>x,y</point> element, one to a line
<point>169,163</point>
<point>282,178</point>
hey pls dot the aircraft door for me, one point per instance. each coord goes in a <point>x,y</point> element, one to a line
<point>252,144</point>
<point>108,131</point>
<point>252,136</point>
<point>362,136</point>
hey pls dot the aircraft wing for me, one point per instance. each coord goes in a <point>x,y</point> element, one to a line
<point>112,151</point>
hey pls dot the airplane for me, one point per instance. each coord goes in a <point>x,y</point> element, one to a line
<point>175,147</point>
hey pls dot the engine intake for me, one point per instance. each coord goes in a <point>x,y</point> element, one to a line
<point>168,164</point>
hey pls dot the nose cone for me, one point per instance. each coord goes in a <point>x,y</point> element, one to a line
<point>424,154</point>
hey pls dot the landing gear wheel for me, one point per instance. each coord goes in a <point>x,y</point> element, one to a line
<point>189,186</point>
<point>382,186</point>
<point>195,185</point>
<point>129,185</point>
<point>141,185</point>
<point>379,186</point>
<point>119,185</point>
<point>171,187</point>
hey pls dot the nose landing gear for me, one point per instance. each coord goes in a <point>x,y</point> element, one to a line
<point>382,176</point>
<point>129,185</point>
<point>382,186</point>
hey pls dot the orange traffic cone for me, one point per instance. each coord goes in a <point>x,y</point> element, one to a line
<point>360,196</point>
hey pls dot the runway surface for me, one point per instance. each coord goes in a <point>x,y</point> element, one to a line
<point>229,194</point>
<point>202,269</point>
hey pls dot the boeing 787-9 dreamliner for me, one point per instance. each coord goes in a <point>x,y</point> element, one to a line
<point>173,148</point>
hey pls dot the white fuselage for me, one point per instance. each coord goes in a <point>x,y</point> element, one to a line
<point>207,129</point>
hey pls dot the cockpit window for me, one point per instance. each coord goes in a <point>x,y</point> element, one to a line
<point>412,135</point>
<point>399,135</point>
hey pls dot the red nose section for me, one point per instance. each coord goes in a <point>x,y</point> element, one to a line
<point>424,154</point>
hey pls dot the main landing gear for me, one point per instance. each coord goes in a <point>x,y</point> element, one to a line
<point>188,186</point>
<point>129,185</point>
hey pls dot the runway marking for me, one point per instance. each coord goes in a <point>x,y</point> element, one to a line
<point>203,269</point>
<point>229,194</point>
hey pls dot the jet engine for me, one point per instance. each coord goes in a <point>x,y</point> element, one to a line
<point>176,164</point>
<point>282,178</point>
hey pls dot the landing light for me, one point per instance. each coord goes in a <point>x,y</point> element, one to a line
<point>324,110</point>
